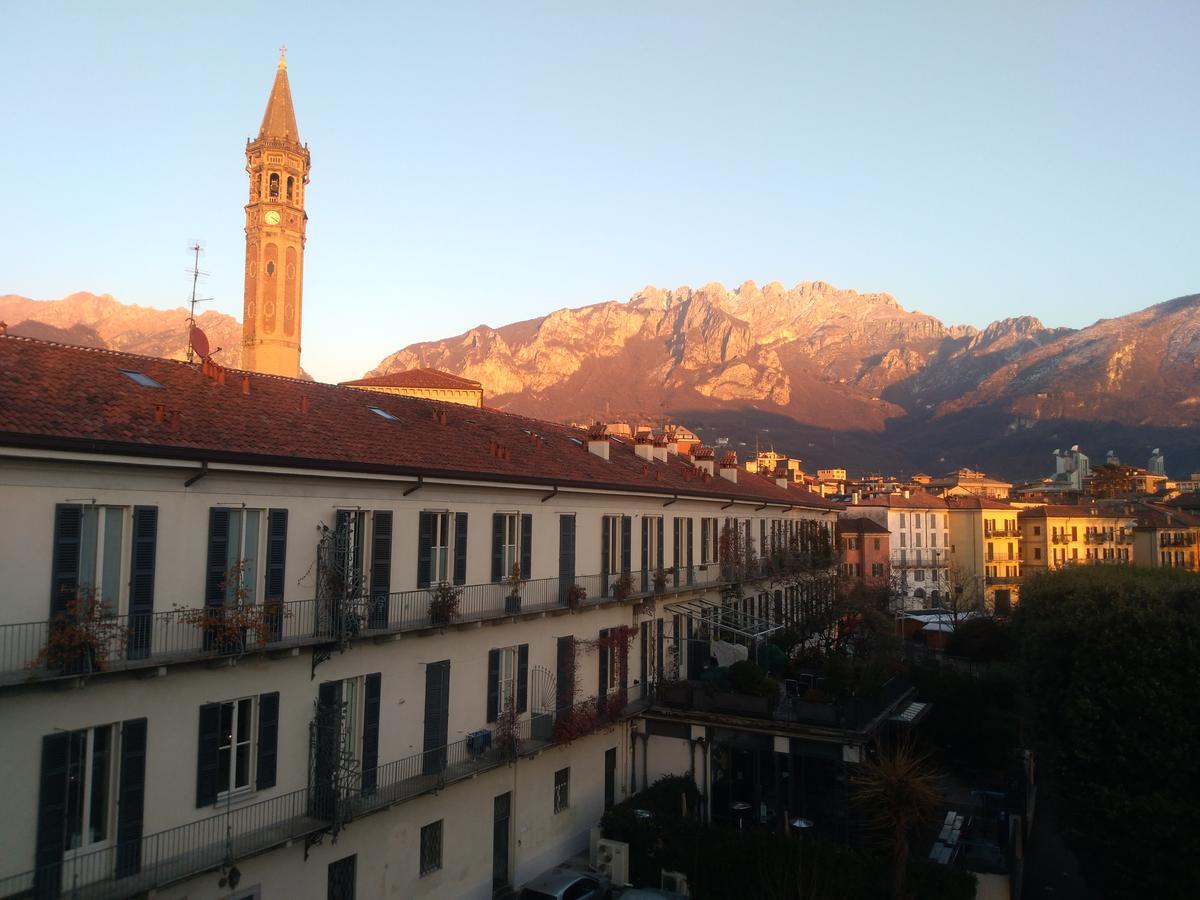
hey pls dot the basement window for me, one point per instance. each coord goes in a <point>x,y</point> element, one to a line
<point>383,413</point>
<point>139,378</point>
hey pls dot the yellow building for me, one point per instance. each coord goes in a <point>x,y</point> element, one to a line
<point>1054,536</point>
<point>1166,538</point>
<point>276,223</point>
<point>985,552</point>
<point>425,384</point>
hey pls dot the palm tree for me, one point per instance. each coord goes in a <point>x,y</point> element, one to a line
<point>898,789</point>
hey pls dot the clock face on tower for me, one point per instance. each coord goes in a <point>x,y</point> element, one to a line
<point>272,217</point>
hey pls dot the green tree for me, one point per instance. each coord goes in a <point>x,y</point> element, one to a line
<point>1111,661</point>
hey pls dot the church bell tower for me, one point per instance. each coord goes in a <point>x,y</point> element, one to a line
<point>276,223</point>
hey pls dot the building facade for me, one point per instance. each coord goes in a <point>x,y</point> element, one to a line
<point>919,525</point>
<point>299,640</point>
<point>1054,535</point>
<point>865,553</point>
<point>985,553</point>
<point>276,229</point>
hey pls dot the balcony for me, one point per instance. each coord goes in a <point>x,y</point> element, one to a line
<point>220,840</point>
<point>921,559</point>
<point>1002,579</point>
<point>792,710</point>
<point>68,647</point>
<point>1003,533</point>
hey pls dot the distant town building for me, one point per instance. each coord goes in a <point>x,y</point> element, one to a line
<point>1165,537</point>
<point>919,525</point>
<point>425,384</point>
<point>1071,468</point>
<point>866,552</point>
<point>985,553</point>
<point>1157,464</point>
<point>1057,535</point>
<point>967,482</point>
<point>1116,480</point>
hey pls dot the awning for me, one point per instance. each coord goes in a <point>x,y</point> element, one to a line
<point>723,616</point>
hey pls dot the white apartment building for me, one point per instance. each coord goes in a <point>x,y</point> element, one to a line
<point>920,538</point>
<point>262,637</point>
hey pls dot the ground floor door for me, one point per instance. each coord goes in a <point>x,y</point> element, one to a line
<point>501,816</point>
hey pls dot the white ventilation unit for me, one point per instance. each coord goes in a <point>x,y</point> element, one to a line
<point>612,858</point>
<point>594,838</point>
<point>675,881</point>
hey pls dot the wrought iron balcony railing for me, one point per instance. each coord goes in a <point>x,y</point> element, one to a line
<point>220,840</point>
<point>68,647</point>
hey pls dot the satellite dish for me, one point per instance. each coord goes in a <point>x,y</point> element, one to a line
<point>199,342</point>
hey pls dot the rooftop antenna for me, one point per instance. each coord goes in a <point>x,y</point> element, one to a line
<point>195,272</point>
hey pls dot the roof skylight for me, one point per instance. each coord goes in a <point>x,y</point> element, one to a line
<point>383,413</point>
<point>139,378</point>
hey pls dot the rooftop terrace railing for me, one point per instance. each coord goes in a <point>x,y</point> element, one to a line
<point>220,840</point>
<point>69,646</point>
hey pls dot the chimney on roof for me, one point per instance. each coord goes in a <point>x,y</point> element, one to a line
<point>160,412</point>
<point>304,403</point>
<point>782,482</point>
<point>702,458</point>
<point>855,497</point>
<point>642,446</point>
<point>246,385</point>
<point>729,466</point>
<point>907,493</point>
<point>660,448</point>
<point>3,328</point>
<point>597,441</point>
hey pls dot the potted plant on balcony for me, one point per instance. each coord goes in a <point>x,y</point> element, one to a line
<point>443,605</point>
<point>512,603</point>
<point>576,594</point>
<point>82,637</point>
<point>507,735</point>
<point>623,587</point>
<point>660,580</point>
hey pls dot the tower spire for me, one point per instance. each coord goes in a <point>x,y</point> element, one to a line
<point>283,57</point>
<point>279,120</point>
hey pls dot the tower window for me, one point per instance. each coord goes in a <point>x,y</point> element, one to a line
<point>290,182</point>
<point>270,267</point>
<point>274,189</point>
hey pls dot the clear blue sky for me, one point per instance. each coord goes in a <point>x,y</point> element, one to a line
<point>492,162</point>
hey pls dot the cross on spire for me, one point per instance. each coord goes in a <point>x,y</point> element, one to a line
<point>283,57</point>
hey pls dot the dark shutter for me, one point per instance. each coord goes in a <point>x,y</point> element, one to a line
<point>498,547</point>
<point>566,556</point>
<point>141,582</point>
<point>52,806</point>
<point>460,548</point>
<point>131,794</point>
<point>660,556</point>
<point>527,546</point>
<point>424,549</point>
<point>626,538</point>
<point>705,524</point>
<point>677,542</point>
<point>325,757</point>
<point>370,738</point>
<point>522,678</point>
<point>602,690</point>
<point>437,714</point>
<point>645,553</point>
<point>277,526</point>
<point>605,561</point>
<point>206,754</point>
<point>645,654</point>
<point>64,579</point>
<point>268,740</point>
<point>564,673</point>
<point>218,554</point>
<point>381,568</point>
<point>660,637</point>
<point>689,550</point>
<point>493,686</point>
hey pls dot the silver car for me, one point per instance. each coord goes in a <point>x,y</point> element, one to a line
<point>566,883</point>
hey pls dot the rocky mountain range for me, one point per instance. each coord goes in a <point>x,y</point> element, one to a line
<point>93,320</point>
<point>842,378</point>
<point>830,375</point>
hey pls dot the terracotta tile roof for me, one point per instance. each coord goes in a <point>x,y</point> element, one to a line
<point>915,500</point>
<point>76,398</point>
<point>974,502</point>
<point>1157,515</point>
<point>860,525</point>
<point>418,378</point>
<point>1066,511</point>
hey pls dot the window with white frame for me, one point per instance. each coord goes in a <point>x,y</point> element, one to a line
<point>510,543</point>
<point>508,678</point>
<point>244,553</point>
<point>439,549</point>
<point>91,780</point>
<point>102,556</point>
<point>235,746</point>
<point>614,545</point>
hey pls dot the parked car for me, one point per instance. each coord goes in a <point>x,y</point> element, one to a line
<point>567,883</point>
